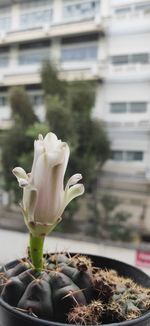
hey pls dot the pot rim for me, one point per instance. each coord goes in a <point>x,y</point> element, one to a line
<point>14,311</point>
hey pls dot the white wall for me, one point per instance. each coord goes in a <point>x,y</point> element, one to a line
<point>128,44</point>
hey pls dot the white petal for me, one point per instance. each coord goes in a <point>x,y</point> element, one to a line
<point>56,157</point>
<point>22,183</point>
<point>21,176</point>
<point>73,192</point>
<point>49,182</point>
<point>20,173</point>
<point>40,172</point>
<point>29,201</point>
<point>73,180</point>
<point>38,150</point>
<point>40,137</point>
<point>50,142</point>
<point>66,153</point>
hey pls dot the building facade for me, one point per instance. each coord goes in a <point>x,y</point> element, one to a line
<point>67,32</point>
<point>105,40</point>
<point>124,103</point>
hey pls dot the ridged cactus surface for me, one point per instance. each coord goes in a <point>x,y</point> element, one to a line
<point>71,290</point>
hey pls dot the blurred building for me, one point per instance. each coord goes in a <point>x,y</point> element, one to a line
<point>71,33</point>
<point>105,40</point>
<point>123,101</point>
<point>68,32</point>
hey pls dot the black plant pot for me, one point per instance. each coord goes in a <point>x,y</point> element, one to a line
<point>11,317</point>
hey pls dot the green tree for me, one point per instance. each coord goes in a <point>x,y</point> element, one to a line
<point>21,105</point>
<point>51,84</point>
<point>107,222</point>
<point>16,141</point>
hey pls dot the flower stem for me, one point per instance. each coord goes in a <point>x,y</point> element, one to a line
<point>36,251</point>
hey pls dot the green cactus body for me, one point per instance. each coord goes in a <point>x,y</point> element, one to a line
<point>71,290</point>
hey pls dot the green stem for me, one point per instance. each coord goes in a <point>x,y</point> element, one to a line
<point>36,251</point>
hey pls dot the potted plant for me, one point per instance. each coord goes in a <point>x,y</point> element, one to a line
<point>62,288</point>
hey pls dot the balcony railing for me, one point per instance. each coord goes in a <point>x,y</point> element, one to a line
<point>52,29</point>
<point>129,23</point>
<point>15,74</point>
<point>139,125</point>
<point>96,70</point>
<point>131,15</point>
<point>128,71</point>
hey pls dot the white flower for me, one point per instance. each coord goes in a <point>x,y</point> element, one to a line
<point>44,196</point>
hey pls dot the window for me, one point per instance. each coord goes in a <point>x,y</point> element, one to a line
<point>122,10</point>
<point>84,9</point>
<point>117,155</point>
<point>119,59</point>
<point>4,60</point>
<point>36,19</point>
<point>37,99</point>
<point>33,53</point>
<point>3,100</point>
<point>79,53</point>
<point>118,107</point>
<point>138,107</point>
<point>127,155</point>
<point>36,14</point>
<point>140,58</point>
<point>34,45</point>
<point>134,156</point>
<point>144,7</point>
<point>4,56</point>
<point>32,3</point>
<point>33,57</point>
<point>80,39</point>
<point>5,19</point>
<point>128,107</point>
<point>5,23</point>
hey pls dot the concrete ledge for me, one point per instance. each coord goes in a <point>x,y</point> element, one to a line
<point>13,245</point>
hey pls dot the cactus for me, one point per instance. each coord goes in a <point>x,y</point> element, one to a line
<point>71,290</point>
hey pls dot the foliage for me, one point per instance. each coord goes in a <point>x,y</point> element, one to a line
<point>37,128</point>
<point>51,84</point>
<point>14,145</point>
<point>16,141</point>
<point>107,221</point>
<point>68,114</point>
<point>21,106</point>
